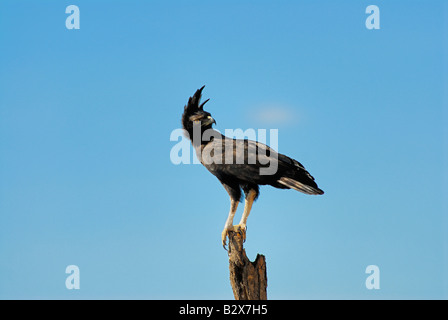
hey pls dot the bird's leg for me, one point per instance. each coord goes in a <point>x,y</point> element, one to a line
<point>229,222</point>
<point>241,227</point>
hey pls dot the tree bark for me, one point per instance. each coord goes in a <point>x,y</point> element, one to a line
<point>248,279</point>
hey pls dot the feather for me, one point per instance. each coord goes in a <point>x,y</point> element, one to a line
<point>296,185</point>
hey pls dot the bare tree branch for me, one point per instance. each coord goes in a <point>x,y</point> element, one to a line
<point>248,279</point>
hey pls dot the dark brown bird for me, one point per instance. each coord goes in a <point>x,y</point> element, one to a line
<point>241,165</point>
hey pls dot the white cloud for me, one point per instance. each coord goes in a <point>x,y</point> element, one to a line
<point>274,114</point>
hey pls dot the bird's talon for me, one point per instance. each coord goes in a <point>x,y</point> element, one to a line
<point>224,238</point>
<point>241,230</point>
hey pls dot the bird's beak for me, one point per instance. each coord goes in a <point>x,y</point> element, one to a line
<point>209,120</point>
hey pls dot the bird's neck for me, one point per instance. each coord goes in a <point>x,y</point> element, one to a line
<point>200,136</point>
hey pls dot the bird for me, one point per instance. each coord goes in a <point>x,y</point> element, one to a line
<point>239,163</point>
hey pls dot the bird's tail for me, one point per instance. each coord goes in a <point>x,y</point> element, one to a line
<point>299,186</point>
<point>294,176</point>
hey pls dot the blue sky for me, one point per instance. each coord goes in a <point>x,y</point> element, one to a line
<point>85,171</point>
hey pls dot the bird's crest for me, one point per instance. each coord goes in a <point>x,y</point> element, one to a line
<point>193,106</point>
<point>193,102</point>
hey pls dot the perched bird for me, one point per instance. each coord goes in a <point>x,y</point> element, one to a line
<point>239,163</point>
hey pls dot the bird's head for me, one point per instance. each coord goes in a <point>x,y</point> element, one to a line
<point>194,113</point>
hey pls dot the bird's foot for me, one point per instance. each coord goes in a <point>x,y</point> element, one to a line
<point>239,228</point>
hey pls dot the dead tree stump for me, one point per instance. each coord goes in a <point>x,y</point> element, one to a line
<point>248,279</point>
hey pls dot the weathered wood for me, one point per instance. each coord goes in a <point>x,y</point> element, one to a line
<point>248,279</point>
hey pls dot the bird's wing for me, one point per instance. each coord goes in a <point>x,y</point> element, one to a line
<point>256,163</point>
<point>234,157</point>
